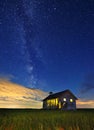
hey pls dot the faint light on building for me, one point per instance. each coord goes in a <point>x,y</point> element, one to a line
<point>71,100</point>
<point>64,99</point>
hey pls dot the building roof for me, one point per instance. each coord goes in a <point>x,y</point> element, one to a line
<point>56,95</point>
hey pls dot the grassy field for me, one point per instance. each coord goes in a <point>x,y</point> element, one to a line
<point>26,119</point>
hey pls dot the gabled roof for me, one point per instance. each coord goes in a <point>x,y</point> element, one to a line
<point>56,95</point>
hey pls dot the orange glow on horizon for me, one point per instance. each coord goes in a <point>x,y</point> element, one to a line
<point>85,104</point>
<point>13,95</point>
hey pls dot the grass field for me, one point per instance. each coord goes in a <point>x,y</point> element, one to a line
<point>26,119</point>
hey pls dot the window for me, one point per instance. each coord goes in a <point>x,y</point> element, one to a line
<point>64,99</point>
<point>71,100</point>
<point>56,100</point>
<point>51,102</point>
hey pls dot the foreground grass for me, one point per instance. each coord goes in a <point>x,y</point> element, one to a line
<point>27,119</point>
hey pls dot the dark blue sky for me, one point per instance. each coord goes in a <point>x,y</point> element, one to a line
<point>47,44</point>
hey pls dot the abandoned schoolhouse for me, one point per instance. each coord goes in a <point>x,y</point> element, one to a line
<point>64,100</point>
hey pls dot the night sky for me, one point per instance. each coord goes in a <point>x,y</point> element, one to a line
<point>48,44</point>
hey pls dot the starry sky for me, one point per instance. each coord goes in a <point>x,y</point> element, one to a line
<point>48,44</point>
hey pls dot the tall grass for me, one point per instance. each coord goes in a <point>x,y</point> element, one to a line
<point>46,119</point>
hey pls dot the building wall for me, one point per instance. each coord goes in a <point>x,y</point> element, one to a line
<point>70,103</point>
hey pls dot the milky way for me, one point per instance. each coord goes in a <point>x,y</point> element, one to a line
<point>25,20</point>
<point>25,11</point>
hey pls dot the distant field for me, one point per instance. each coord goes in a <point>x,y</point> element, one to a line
<point>26,119</point>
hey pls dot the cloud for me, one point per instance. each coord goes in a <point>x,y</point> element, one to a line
<point>13,95</point>
<point>88,84</point>
<point>81,103</point>
<point>7,77</point>
<point>87,87</point>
